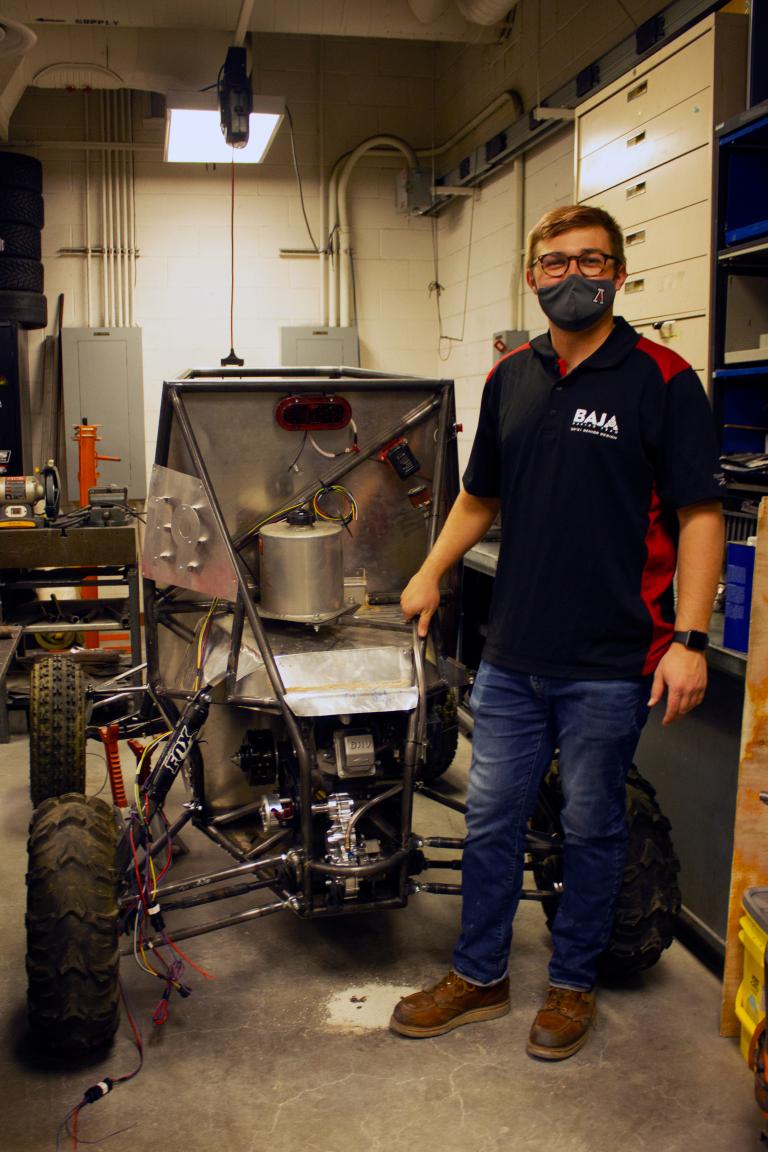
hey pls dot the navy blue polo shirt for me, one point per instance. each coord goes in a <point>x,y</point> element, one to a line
<point>591,467</point>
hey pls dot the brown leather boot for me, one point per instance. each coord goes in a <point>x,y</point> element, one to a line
<point>448,1004</point>
<point>561,1026</point>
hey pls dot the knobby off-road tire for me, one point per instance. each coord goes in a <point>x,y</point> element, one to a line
<point>21,171</point>
<point>22,206</point>
<point>21,275</point>
<point>19,240</point>
<point>29,309</point>
<point>442,740</point>
<point>72,952</point>
<point>649,900</point>
<point>56,728</point>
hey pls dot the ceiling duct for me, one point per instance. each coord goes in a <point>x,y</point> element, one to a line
<point>77,77</point>
<point>427,11</point>
<point>485,12</point>
<point>15,38</point>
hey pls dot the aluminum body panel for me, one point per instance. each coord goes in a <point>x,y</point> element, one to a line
<point>221,430</point>
<point>255,472</point>
<point>182,544</point>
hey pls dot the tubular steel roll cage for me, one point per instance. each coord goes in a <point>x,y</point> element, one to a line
<point>289,874</point>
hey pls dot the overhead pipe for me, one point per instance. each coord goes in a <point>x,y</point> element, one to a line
<point>87,214</point>
<point>243,23</point>
<point>506,97</point>
<point>335,263</point>
<point>344,263</point>
<point>131,216</point>
<point>114,105</point>
<point>485,12</point>
<point>518,231</point>
<point>104,240</point>
<point>125,193</point>
<point>427,11</point>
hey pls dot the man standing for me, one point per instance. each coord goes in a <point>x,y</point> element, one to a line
<point>597,446</point>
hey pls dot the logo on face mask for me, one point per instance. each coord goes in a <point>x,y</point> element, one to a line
<point>597,425</point>
<point>599,296</point>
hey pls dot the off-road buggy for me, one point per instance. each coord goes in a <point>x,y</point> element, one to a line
<point>284,692</point>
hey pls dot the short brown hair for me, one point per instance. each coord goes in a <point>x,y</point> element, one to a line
<point>574,216</point>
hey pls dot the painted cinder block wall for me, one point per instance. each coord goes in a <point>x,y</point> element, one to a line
<point>340,91</point>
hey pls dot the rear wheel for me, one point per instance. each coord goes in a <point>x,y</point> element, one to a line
<point>442,739</point>
<point>72,953</point>
<point>56,728</point>
<point>649,899</point>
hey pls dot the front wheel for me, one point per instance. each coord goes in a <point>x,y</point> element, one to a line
<point>72,952</point>
<point>649,900</point>
<point>56,728</point>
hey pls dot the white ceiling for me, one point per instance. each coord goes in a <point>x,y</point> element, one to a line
<point>380,18</point>
<point>163,45</point>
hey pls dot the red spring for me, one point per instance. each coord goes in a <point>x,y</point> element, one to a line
<point>109,736</point>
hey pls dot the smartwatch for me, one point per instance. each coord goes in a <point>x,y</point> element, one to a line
<point>696,641</point>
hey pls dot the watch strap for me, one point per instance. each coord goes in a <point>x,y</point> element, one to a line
<point>695,641</point>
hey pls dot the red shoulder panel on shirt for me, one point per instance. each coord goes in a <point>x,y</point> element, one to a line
<point>506,356</point>
<point>669,363</point>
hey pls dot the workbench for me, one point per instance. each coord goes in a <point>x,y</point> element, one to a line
<point>53,558</point>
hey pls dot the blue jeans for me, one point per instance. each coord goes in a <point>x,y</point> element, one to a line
<point>519,722</point>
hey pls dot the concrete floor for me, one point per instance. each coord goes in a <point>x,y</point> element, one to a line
<point>287,1047</point>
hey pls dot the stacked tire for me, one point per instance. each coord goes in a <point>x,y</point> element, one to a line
<point>21,219</point>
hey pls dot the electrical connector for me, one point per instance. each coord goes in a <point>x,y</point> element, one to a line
<point>96,1091</point>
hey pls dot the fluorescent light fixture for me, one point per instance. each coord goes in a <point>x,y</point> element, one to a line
<point>193,129</point>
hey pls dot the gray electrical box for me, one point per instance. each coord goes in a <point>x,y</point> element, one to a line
<point>319,347</point>
<point>506,341</point>
<point>102,374</point>
<point>413,190</point>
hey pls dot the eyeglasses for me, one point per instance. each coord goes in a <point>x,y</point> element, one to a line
<point>590,262</point>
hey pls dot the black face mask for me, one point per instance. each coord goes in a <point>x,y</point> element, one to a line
<point>576,303</point>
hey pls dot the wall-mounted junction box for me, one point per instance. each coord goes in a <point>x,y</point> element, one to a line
<point>506,341</point>
<point>319,347</point>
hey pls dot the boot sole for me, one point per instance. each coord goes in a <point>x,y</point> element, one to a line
<point>541,1052</point>
<point>473,1017</point>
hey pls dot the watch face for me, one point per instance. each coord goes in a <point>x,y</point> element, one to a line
<point>696,641</point>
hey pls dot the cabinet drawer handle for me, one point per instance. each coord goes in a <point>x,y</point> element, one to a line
<point>638,138</point>
<point>634,286</point>
<point>638,90</point>
<point>635,189</point>
<point>635,237</point>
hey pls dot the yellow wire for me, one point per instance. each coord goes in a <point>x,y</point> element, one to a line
<point>137,793</point>
<point>199,658</point>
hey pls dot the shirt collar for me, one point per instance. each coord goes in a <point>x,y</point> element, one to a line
<point>611,353</point>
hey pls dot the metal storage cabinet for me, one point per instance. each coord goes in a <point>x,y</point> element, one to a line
<point>740,288</point>
<point>102,375</point>
<point>644,153</point>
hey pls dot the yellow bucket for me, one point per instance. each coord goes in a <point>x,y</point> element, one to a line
<point>753,934</point>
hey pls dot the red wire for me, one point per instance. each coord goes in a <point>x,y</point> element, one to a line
<point>74,1128</point>
<point>140,886</point>
<point>232,262</point>
<point>167,864</point>
<point>187,960</point>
